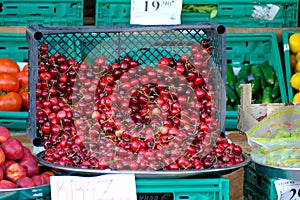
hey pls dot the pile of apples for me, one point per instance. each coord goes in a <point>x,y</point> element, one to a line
<point>18,166</point>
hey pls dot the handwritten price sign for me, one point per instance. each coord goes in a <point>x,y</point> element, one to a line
<point>106,187</point>
<point>155,12</point>
<point>287,189</point>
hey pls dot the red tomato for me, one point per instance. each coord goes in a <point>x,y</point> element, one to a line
<point>23,78</point>
<point>10,101</point>
<point>24,95</point>
<point>9,82</point>
<point>8,65</point>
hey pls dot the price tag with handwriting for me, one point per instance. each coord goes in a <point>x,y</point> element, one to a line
<point>105,187</point>
<point>287,189</point>
<point>155,12</point>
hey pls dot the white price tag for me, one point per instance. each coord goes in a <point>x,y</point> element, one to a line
<point>287,189</point>
<point>105,187</point>
<point>155,12</point>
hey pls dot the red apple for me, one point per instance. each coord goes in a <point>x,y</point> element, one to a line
<point>46,175</point>
<point>14,172</point>
<point>13,149</point>
<point>3,166</point>
<point>1,173</point>
<point>39,180</point>
<point>27,152</point>
<point>28,158</point>
<point>8,163</point>
<point>4,134</point>
<point>46,178</point>
<point>30,164</point>
<point>2,156</point>
<point>25,182</point>
<point>6,184</point>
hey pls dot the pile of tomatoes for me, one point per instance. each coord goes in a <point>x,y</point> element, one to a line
<point>13,86</point>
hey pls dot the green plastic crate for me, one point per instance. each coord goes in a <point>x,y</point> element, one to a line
<point>14,46</point>
<point>286,51</point>
<point>52,13</point>
<point>254,48</point>
<point>231,120</point>
<point>178,189</point>
<point>38,192</point>
<point>257,186</point>
<point>14,121</point>
<point>237,14</point>
<point>158,189</point>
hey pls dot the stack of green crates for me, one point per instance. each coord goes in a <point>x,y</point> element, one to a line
<point>229,13</point>
<point>52,13</point>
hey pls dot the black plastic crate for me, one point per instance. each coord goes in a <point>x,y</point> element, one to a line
<point>146,44</point>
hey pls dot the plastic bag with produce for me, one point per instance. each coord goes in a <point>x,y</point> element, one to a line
<point>275,140</point>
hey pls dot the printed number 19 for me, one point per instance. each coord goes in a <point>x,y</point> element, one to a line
<point>155,4</point>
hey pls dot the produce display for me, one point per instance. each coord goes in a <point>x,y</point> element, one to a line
<point>113,110</point>
<point>263,79</point>
<point>294,45</point>
<point>18,165</point>
<point>13,86</point>
<point>121,116</point>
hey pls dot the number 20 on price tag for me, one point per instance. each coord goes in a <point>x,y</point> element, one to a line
<point>155,12</point>
<point>287,189</point>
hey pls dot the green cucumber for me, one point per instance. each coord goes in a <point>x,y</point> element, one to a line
<point>243,74</point>
<point>266,96</point>
<point>229,107</point>
<point>256,72</point>
<point>263,83</point>
<point>232,98</point>
<point>276,89</point>
<point>231,78</point>
<point>268,73</point>
<point>255,85</point>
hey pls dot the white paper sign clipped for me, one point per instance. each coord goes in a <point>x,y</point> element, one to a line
<point>287,189</point>
<point>155,12</point>
<point>105,187</point>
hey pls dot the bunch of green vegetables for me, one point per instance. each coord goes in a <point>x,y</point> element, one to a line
<point>265,85</point>
<point>201,8</point>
